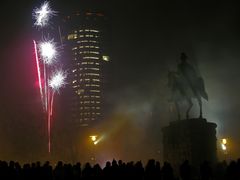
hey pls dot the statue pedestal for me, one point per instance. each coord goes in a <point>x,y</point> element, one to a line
<point>190,139</point>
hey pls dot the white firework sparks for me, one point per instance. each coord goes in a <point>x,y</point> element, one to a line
<point>43,14</point>
<point>48,51</point>
<point>57,80</point>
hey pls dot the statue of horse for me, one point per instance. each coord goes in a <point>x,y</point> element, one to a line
<point>184,89</point>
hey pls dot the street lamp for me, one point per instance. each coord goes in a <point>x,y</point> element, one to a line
<point>224,144</point>
<point>94,139</point>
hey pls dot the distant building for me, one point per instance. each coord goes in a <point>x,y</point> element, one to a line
<point>86,47</point>
<point>193,140</point>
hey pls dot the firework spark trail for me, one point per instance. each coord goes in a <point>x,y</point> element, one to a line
<point>38,70</point>
<point>49,118</point>
<point>49,130</point>
<point>45,88</point>
<point>51,106</point>
<point>50,113</point>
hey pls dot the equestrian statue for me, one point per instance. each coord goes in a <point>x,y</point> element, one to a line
<point>185,84</point>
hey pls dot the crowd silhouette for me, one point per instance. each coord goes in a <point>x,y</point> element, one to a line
<point>118,170</point>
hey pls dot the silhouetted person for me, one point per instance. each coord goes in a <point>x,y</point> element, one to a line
<point>87,172</point>
<point>107,171</point>
<point>77,171</point>
<point>206,171</point>
<point>185,170</point>
<point>167,172</point>
<point>232,171</point>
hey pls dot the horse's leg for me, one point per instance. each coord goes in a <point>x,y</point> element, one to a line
<point>200,105</point>
<point>178,111</point>
<point>189,107</point>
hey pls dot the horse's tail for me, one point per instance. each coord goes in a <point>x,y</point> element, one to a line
<point>201,88</point>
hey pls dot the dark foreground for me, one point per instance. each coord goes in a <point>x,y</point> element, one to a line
<point>119,170</point>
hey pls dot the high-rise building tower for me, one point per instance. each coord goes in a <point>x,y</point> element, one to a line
<point>85,37</point>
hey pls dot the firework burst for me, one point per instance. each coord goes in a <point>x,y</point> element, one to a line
<point>57,80</point>
<point>48,51</point>
<point>43,14</point>
<point>53,80</point>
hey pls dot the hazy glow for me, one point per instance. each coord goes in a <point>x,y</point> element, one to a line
<point>43,14</point>
<point>48,51</point>
<point>57,80</point>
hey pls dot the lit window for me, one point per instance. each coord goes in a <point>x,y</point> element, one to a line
<point>72,36</point>
<point>80,91</point>
<point>93,30</point>
<point>92,41</point>
<point>90,57</point>
<point>105,58</point>
<point>74,81</point>
<point>93,90</point>
<point>74,48</point>
<point>95,69</point>
<point>94,52</point>
<point>92,74</point>
<point>96,80</point>
<point>97,107</point>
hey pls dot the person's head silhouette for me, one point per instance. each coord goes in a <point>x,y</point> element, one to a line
<point>183,57</point>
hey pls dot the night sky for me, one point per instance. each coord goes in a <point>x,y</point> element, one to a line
<point>147,39</point>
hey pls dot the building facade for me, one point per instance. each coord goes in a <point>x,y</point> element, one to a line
<point>86,46</point>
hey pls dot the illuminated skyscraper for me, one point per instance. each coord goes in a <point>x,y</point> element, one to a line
<point>85,37</point>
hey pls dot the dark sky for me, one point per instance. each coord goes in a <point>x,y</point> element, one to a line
<point>147,38</point>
